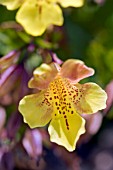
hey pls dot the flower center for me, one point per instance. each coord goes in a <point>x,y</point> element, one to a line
<point>60,96</point>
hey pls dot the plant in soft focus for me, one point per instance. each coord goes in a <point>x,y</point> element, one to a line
<point>13,78</point>
<point>61,99</point>
<point>36,15</point>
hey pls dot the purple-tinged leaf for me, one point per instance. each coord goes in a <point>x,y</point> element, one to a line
<point>32,143</point>
<point>8,60</point>
<point>2,117</point>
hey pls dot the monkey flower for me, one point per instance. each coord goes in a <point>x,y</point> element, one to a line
<point>36,15</point>
<point>61,99</point>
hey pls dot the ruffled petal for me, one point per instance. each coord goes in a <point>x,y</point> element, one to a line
<point>66,132</point>
<point>89,98</point>
<point>11,4</point>
<point>36,109</point>
<point>73,3</point>
<point>35,18</point>
<point>43,75</point>
<point>75,70</point>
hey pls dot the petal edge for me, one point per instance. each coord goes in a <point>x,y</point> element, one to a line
<point>34,110</point>
<point>92,98</point>
<point>62,136</point>
<point>75,70</point>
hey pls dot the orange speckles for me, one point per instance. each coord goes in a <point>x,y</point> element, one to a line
<point>62,96</point>
<point>46,101</point>
<point>64,103</point>
<point>57,108</point>
<point>67,124</point>
<point>65,116</point>
<point>63,107</point>
<point>72,112</point>
<point>56,103</point>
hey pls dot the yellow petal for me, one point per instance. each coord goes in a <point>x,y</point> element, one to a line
<point>11,4</point>
<point>76,70</point>
<point>89,98</point>
<point>66,132</point>
<point>36,109</point>
<point>43,75</point>
<point>73,3</point>
<point>36,18</point>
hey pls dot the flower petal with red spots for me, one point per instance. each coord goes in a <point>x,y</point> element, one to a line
<point>89,98</point>
<point>66,131</point>
<point>36,109</point>
<point>62,101</point>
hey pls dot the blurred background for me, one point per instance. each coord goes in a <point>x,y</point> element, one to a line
<point>87,34</point>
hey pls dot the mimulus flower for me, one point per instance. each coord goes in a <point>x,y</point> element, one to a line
<point>36,15</point>
<point>61,99</point>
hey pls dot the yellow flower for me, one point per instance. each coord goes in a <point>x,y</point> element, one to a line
<point>61,99</point>
<point>36,15</point>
